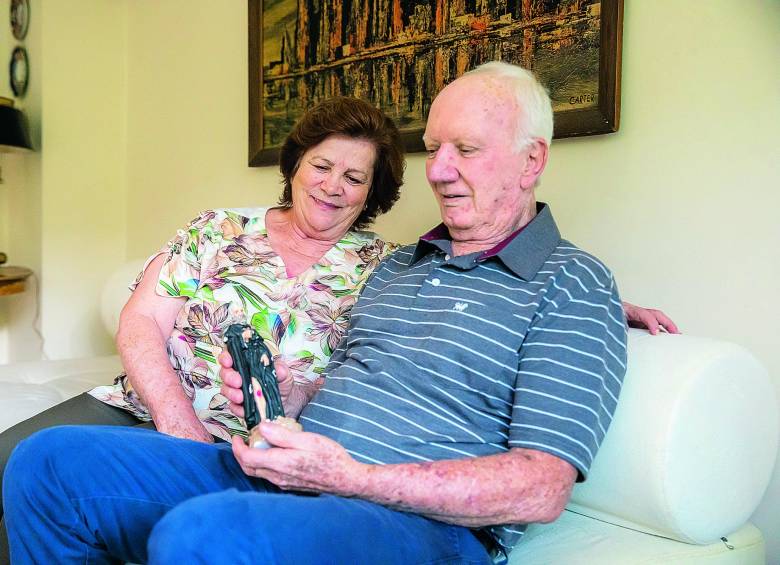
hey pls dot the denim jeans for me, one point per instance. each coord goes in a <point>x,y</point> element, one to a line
<point>101,494</point>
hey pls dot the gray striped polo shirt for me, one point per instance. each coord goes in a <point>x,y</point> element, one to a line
<point>452,357</point>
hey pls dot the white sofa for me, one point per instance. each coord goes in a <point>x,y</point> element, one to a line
<point>684,465</point>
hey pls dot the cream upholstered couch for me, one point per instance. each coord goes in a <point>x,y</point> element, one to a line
<point>683,467</point>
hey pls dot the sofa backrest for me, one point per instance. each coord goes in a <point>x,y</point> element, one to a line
<point>692,444</point>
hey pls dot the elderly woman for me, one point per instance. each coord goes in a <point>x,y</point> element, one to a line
<point>293,272</point>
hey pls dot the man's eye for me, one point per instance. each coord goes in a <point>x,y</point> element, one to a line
<point>432,151</point>
<point>466,150</point>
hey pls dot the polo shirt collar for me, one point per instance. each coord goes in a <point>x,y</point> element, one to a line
<point>523,252</point>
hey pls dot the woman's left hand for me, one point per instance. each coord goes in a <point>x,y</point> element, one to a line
<point>649,318</point>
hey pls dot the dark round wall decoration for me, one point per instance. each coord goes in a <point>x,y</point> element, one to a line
<point>19,71</point>
<point>20,17</point>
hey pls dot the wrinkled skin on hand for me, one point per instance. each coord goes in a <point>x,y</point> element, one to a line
<point>649,318</point>
<point>300,461</point>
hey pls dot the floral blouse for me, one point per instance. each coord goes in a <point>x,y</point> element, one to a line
<point>223,263</point>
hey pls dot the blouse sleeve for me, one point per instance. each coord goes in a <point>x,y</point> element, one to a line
<point>186,254</point>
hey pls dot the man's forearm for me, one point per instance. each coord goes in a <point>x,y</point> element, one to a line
<point>520,486</point>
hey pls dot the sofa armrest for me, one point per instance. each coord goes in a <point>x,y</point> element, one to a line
<point>692,444</point>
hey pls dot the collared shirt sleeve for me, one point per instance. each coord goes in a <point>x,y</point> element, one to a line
<point>571,365</point>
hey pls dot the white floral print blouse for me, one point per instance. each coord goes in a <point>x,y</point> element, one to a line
<point>223,263</point>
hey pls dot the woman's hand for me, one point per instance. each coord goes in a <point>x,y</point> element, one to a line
<point>231,383</point>
<point>294,395</point>
<point>649,318</point>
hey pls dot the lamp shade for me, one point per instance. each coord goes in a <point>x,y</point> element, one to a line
<point>14,133</point>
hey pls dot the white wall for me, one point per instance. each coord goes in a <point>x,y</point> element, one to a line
<point>681,203</point>
<point>20,200</point>
<point>64,214</point>
<point>83,174</point>
<point>187,117</point>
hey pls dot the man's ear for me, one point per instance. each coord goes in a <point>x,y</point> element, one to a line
<point>535,162</point>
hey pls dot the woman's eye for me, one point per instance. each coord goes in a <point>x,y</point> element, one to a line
<point>320,167</point>
<point>354,181</point>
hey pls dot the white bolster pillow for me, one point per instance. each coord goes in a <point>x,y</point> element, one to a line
<point>693,442</point>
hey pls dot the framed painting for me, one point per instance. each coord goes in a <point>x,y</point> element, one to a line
<point>398,54</point>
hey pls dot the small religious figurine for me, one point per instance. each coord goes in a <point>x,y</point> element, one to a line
<point>262,400</point>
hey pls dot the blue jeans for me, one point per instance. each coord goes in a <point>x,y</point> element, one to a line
<point>98,494</point>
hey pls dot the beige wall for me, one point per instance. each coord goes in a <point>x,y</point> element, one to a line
<point>83,173</point>
<point>681,203</point>
<point>20,202</point>
<point>65,212</point>
<point>187,117</point>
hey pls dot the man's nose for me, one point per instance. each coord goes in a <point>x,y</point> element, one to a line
<point>441,167</point>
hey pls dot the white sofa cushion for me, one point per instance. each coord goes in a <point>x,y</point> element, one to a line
<point>31,387</point>
<point>578,540</point>
<point>28,388</point>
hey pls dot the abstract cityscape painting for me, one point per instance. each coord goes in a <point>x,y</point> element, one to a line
<point>398,54</point>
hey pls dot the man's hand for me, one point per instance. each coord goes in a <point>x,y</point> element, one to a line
<point>300,461</point>
<point>231,383</point>
<point>649,318</point>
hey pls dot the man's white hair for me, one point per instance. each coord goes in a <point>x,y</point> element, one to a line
<point>535,119</point>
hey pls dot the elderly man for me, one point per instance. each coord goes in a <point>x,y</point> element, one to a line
<point>474,386</point>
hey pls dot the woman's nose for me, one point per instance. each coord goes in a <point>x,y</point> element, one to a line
<point>331,185</point>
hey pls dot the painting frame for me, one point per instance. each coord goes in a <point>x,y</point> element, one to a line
<point>601,118</point>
